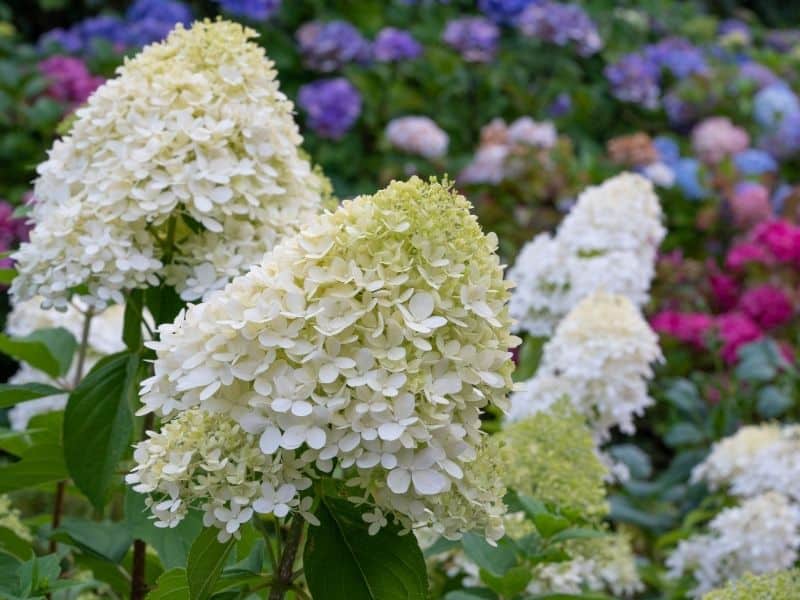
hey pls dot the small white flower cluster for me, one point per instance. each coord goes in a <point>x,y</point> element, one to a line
<point>600,359</point>
<point>755,460</point>
<point>417,135</point>
<point>501,142</point>
<point>608,241</point>
<point>371,341</point>
<point>762,535</point>
<point>105,337</point>
<point>193,138</point>
<point>604,564</point>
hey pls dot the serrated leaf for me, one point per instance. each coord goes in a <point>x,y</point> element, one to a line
<point>47,350</point>
<point>343,562</point>
<point>11,394</point>
<point>98,423</point>
<point>206,558</point>
<point>497,560</point>
<point>105,540</point>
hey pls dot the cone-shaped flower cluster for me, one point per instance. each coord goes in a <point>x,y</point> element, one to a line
<point>607,242</point>
<point>600,359</point>
<point>370,341</point>
<point>783,585</point>
<point>193,138</point>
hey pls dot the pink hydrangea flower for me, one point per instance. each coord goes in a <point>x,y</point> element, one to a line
<point>781,238</point>
<point>767,305</point>
<point>70,80</point>
<point>690,328</point>
<point>716,138</point>
<point>736,329</point>
<point>750,204</point>
<point>724,290</point>
<point>744,253</point>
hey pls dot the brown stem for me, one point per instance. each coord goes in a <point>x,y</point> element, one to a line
<point>285,574</point>
<point>138,582</point>
<point>58,507</point>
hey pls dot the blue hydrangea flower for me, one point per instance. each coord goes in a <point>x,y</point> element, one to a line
<point>108,28</point>
<point>668,150</point>
<point>560,24</point>
<point>475,38</point>
<point>332,106</point>
<point>784,139</point>
<point>169,11</point>
<point>634,78</point>
<point>503,11</point>
<point>328,46</point>
<point>393,45</point>
<point>773,104</point>
<point>66,40</point>
<point>257,10</point>
<point>678,56</point>
<point>688,177</point>
<point>754,162</point>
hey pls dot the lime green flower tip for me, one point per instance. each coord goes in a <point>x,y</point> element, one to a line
<point>553,459</point>
<point>783,585</point>
<point>10,519</point>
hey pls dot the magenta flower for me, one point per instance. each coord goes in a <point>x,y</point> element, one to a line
<point>736,330</point>
<point>781,238</point>
<point>70,81</point>
<point>724,290</point>
<point>745,253</point>
<point>687,327</point>
<point>767,305</point>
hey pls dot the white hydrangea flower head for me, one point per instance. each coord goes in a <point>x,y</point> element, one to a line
<point>417,135</point>
<point>371,340</point>
<point>599,358</point>
<point>608,241</point>
<point>105,337</point>
<point>190,156</point>
<point>762,535</point>
<point>755,460</point>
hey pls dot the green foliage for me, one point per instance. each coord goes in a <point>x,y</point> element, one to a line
<point>48,350</point>
<point>385,566</point>
<point>204,565</point>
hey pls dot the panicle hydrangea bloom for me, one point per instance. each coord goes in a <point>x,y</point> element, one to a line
<point>560,24</point>
<point>600,359</point>
<point>10,519</point>
<point>761,535</point>
<point>194,143</point>
<point>258,10</point>
<point>598,565</point>
<point>394,45</point>
<point>328,46</point>
<point>475,38</point>
<point>783,585</point>
<point>417,135</point>
<point>716,138</point>
<point>607,242</point>
<point>552,458</point>
<point>371,340</point>
<point>332,106</point>
<point>105,337</point>
<point>755,460</point>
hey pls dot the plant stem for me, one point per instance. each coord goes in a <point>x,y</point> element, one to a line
<point>61,486</point>
<point>285,574</point>
<point>138,583</point>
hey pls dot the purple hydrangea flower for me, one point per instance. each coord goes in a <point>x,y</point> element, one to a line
<point>257,10</point>
<point>560,24</point>
<point>503,11</point>
<point>734,28</point>
<point>757,73</point>
<point>634,79</point>
<point>161,10</point>
<point>329,46</point>
<point>332,106</point>
<point>111,29</point>
<point>774,103</point>
<point>754,162</point>
<point>561,106</point>
<point>678,56</point>
<point>783,40</point>
<point>392,45</point>
<point>475,38</point>
<point>68,40</point>
<point>69,79</point>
